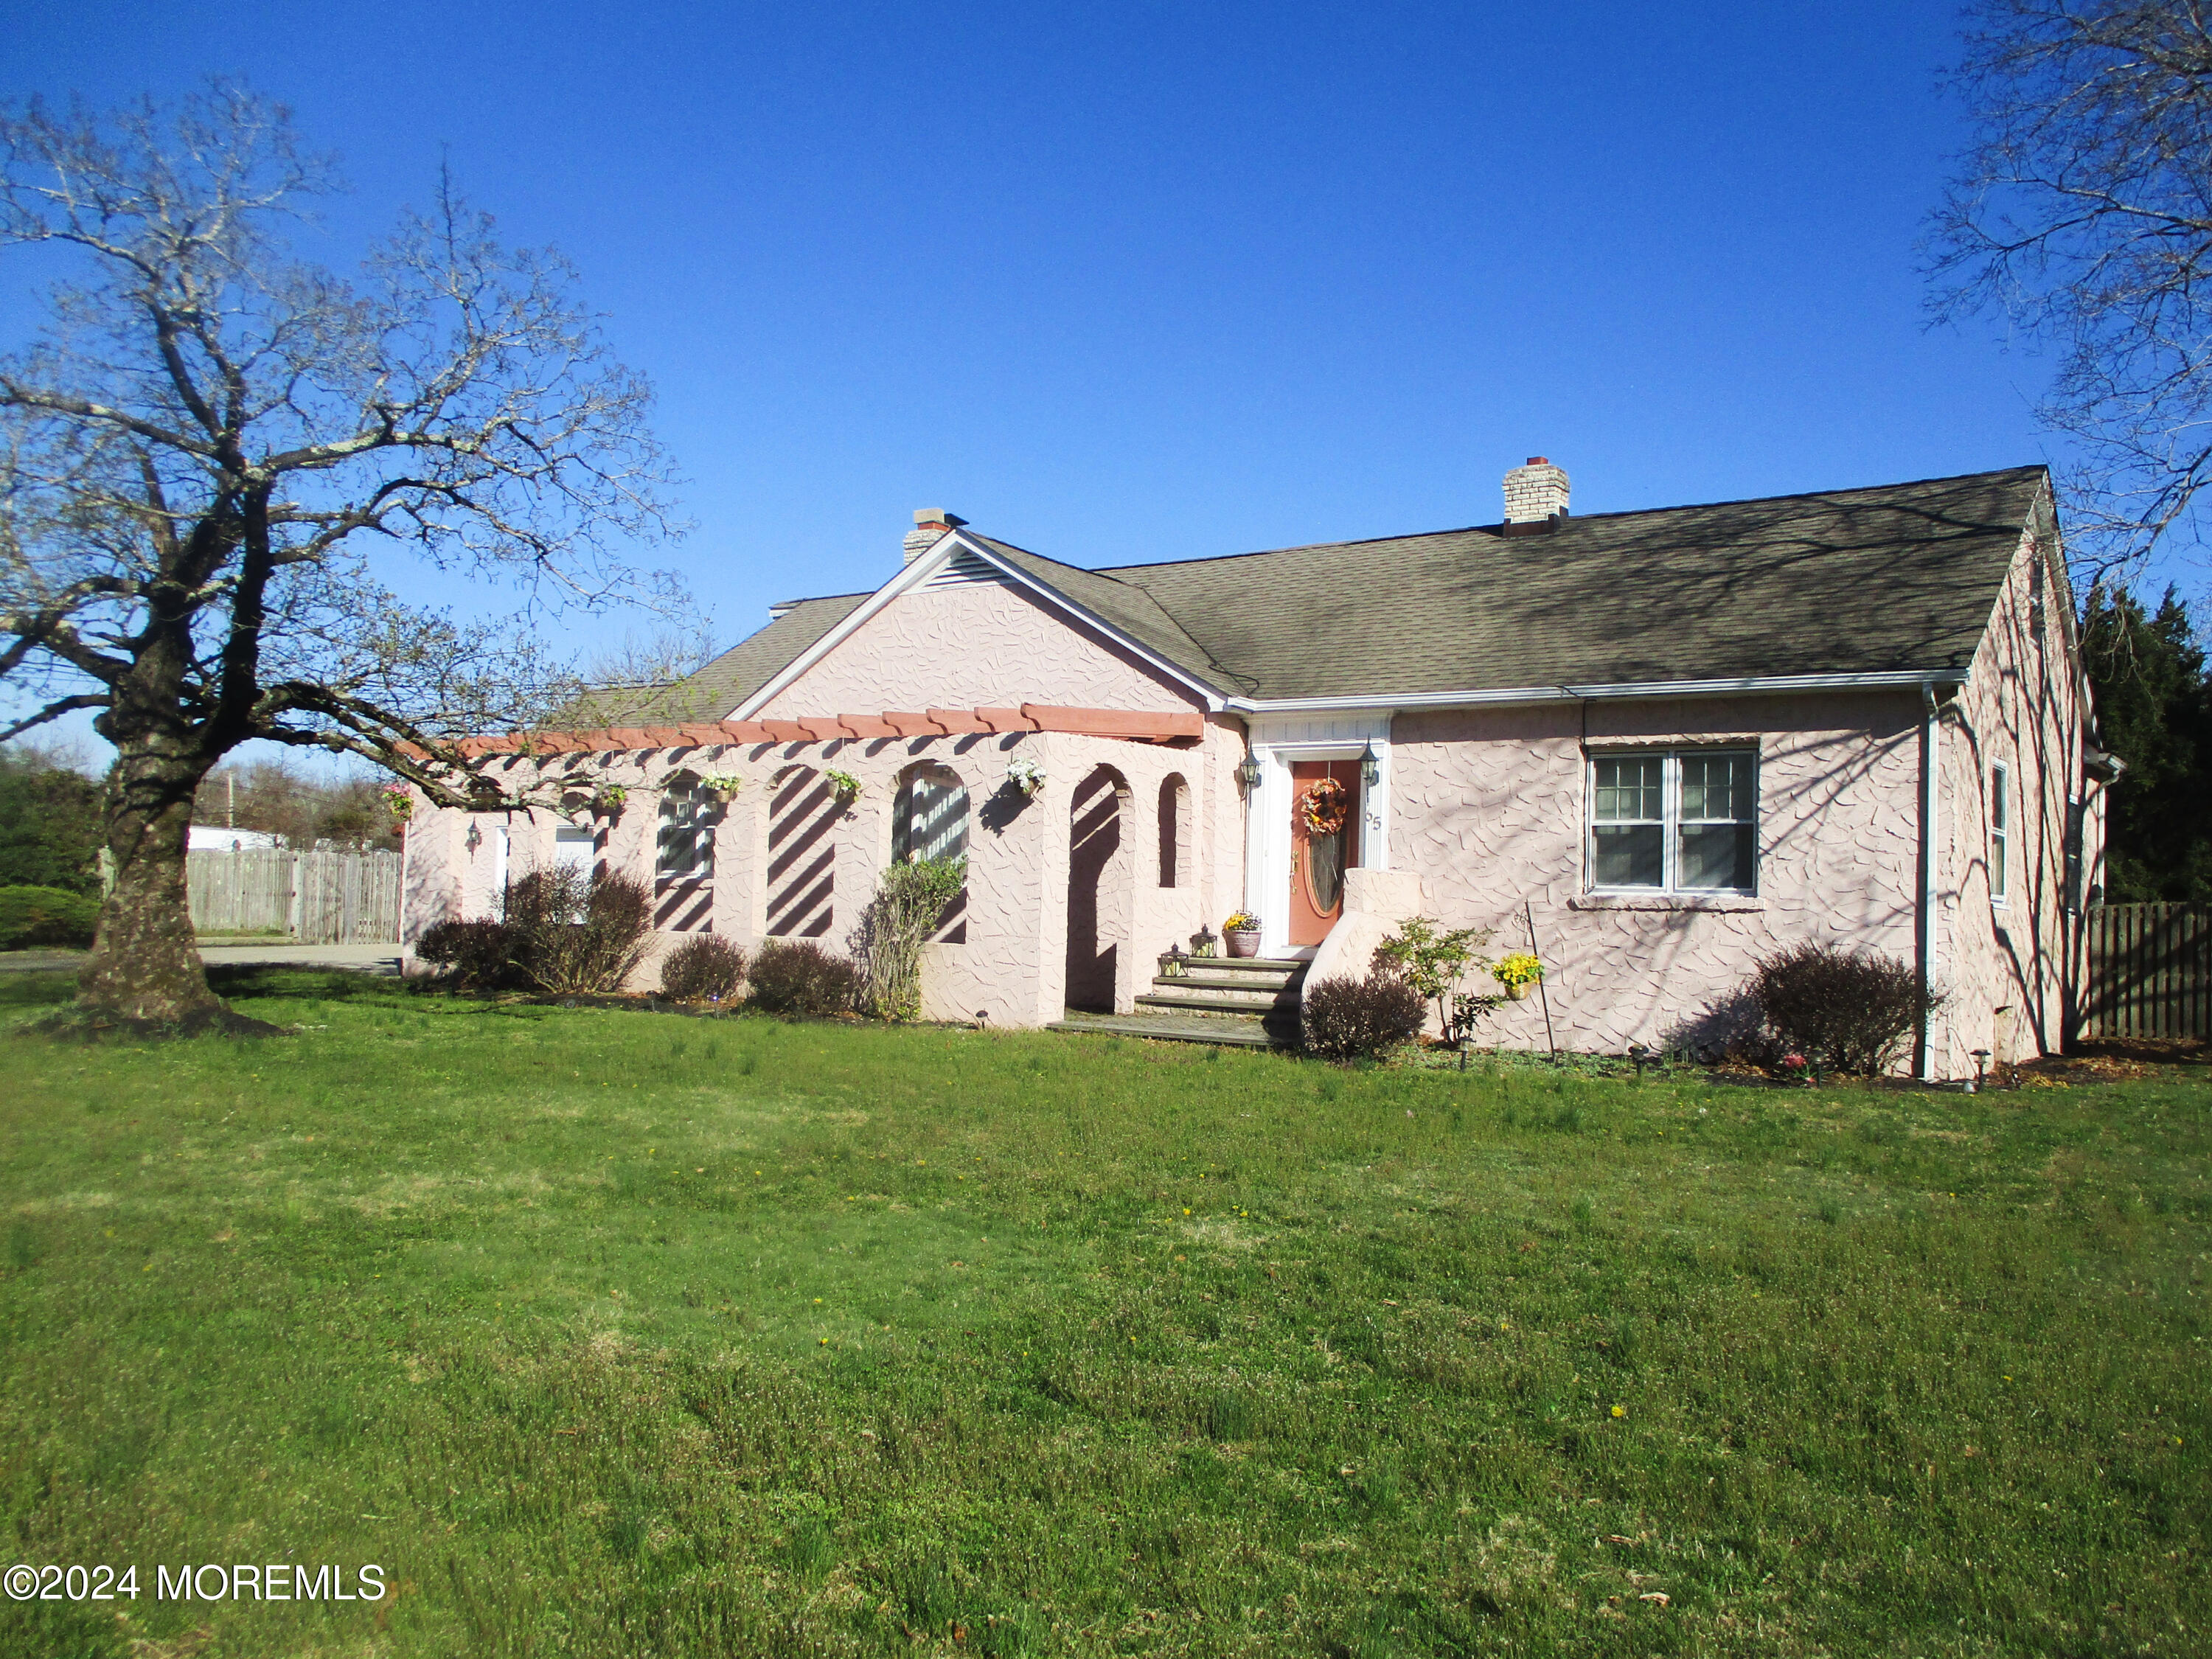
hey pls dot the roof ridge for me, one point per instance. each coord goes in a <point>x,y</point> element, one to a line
<point>1585,518</point>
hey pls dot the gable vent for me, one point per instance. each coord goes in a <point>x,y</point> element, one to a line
<point>966,570</point>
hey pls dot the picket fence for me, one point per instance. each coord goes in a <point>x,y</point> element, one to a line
<point>2150,971</point>
<point>326,896</point>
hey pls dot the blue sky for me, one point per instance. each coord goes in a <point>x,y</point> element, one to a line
<point>1142,282</point>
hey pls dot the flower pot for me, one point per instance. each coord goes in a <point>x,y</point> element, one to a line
<point>1243,944</point>
<point>1516,992</point>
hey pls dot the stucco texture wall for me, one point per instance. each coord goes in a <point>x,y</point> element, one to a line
<point>980,645</point>
<point>2013,966</point>
<point>1487,809</point>
<point>1009,968</point>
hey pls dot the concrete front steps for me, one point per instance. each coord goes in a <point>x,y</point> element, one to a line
<point>1243,1001</point>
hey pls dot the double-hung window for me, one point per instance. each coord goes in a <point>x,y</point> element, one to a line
<point>1677,821</point>
<point>2000,831</point>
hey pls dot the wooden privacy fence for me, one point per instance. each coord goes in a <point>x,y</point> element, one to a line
<point>2150,971</point>
<point>328,896</point>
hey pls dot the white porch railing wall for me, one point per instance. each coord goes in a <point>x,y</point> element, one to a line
<point>326,896</point>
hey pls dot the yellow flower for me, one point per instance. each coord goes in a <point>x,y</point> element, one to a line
<point>1620,1410</point>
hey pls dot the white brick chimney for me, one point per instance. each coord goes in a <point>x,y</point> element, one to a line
<point>929,523</point>
<point>1535,497</point>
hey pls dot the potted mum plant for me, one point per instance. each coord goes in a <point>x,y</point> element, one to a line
<point>1242,932</point>
<point>1515,974</point>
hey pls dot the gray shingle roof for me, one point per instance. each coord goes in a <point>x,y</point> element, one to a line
<point>1897,577</point>
<point>752,662</point>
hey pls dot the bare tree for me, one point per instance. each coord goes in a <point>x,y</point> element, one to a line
<point>216,456</point>
<point>2083,212</point>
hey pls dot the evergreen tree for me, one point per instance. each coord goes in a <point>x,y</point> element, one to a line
<point>50,823</point>
<point>2154,711</point>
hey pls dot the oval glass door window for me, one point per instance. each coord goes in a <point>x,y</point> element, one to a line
<point>1324,864</point>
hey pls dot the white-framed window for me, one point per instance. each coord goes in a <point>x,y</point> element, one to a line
<point>684,849</point>
<point>2000,831</point>
<point>1674,821</point>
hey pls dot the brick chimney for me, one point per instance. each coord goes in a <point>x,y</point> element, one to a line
<point>929,523</point>
<point>1535,498</point>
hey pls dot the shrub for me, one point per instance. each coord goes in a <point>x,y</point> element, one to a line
<point>909,906</point>
<point>797,976</point>
<point>1430,959</point>
<point>704,968</point>
<point>476,956</point>
<point>575,933</point>
<point>33,916</point>
<point>1348,1018</point>
<point>1849,1009</point>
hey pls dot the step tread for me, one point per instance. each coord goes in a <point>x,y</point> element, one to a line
<point>1234,1033</point>
<point>1227,1004</point>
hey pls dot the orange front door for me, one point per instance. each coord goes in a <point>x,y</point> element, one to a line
<point>1319,857</point>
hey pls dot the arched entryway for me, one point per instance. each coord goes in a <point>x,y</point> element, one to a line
<point>1099,889</point>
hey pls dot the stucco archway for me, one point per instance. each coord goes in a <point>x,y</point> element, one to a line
<point>1101,883</point>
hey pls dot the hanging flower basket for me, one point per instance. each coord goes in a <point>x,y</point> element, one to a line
<point>724,787</point>
<point>399,800</point>
<point>1026,775</point>
<point>609,799</point>
<point>845,785</point>
<point>1324,807</point>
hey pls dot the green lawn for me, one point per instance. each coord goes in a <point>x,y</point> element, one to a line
<point>612,1334</point>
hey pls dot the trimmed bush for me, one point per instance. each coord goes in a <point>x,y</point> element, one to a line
<point>475,955</point>
<point>33,916</point>
<point>705,968</point>
<point>1352,1018</point>
<point>1849,1010</point>
<point>797,976</point>
<point>575,933</point>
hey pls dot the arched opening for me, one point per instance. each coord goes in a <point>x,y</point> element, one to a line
<point>1175,831</point>
<point>802,853</point>
<point>929,820</point>
<point>683,856</point>
<point>1098,895</point>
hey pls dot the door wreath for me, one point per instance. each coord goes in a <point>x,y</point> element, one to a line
<point>1324,807</point>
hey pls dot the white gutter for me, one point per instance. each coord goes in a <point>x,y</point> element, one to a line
<point>1897,679</point>
<point>1931,730</point>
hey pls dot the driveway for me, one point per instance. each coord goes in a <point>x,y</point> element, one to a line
<point>382,958</point>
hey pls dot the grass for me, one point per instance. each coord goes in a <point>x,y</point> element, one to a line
<point>608,1333</point>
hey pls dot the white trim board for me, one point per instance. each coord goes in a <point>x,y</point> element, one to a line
<point>925,566</point>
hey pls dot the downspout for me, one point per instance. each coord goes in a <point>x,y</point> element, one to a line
<point>1930,853</point>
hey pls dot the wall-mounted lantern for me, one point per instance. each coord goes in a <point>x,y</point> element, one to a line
<point>1248,773</point>
<point>1370,765</point>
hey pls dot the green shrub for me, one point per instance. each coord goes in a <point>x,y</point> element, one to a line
<point>476,956</point>
<point>1352,1018</point>
<point>1848,1010</point>
<point>911,903</point>
<point>704,968</point>
<point>797,976</point>
<point>33,916</point>
<point>575,931</point>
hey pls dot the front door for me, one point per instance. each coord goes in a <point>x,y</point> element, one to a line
<point>1324,843</point>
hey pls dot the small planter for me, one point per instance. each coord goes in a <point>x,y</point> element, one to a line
<point>1515,992</point>
<point>1243,943</point>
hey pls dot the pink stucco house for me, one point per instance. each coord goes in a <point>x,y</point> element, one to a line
<point>1662,743</point>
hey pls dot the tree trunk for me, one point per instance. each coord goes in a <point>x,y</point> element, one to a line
<point>145,971</point>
